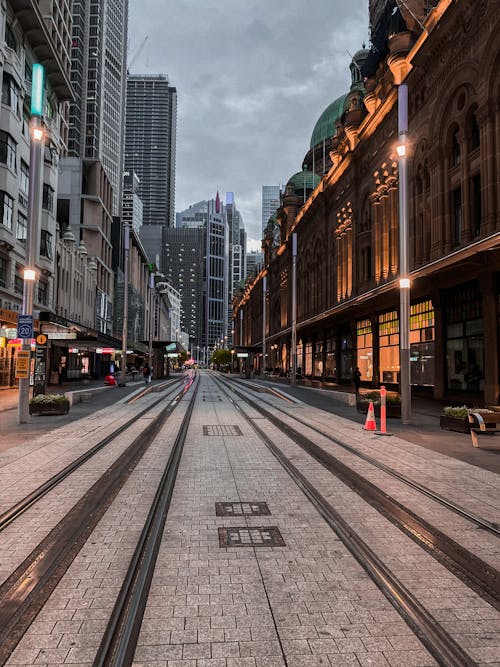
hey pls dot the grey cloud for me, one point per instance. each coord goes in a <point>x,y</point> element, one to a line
<point>252,79</point>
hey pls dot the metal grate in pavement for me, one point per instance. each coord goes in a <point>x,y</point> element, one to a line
<point>242,509</point>
<point>221,429</point>
<point>267,536</point>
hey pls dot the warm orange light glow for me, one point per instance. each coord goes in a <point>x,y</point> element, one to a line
<point>401,150</point>
<point>404,283</point>
<point>29,274</point>
<point>37,134</point>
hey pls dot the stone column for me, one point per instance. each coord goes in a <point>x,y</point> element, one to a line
<point>394,227</point>
<point>439,345</point>
<point>491,333</point>
<point>377,241</point>
<point>467,232</point>
<point>488,183</point>
<point>385,225</point>
<point>436,206</point>
<point>349,262</point>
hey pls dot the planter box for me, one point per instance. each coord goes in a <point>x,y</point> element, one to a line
<point>392,411</point>
<point>44,410</point>
<point>459,424</point>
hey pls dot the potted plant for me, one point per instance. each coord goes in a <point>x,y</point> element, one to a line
<point>49,404</point>
<point>392,402</point>
<point>457,418</point>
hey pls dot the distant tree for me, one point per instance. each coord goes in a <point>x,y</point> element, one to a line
<point>221,358</point>
<point>183,357</point>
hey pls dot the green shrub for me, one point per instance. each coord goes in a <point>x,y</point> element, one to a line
<point>374,396</point>
<point>49,399</point>
<point>462,411</point>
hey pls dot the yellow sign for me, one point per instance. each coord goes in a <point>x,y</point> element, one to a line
<point>23,364</point>
<point>41,339</point>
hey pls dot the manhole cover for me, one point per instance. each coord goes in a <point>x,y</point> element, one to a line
<point>268,536</point>
<point>240,509</point>
<point>222,429</point>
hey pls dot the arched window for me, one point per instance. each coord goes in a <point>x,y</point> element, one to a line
<point>455,148</point>
<point>475,135</point>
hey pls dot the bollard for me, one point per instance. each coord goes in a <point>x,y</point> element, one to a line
<point>383,413</point>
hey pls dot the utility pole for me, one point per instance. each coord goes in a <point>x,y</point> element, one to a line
<point>126,253</point>
<point>264,290</point>
<point>34,205</point>
<point>151,320</point>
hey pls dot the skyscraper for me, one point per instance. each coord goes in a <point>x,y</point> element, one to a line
<point>197,264</point>
<point>270,203</point>
<point>237,252</point>
<point>150,144</point>
<point>98,75</point>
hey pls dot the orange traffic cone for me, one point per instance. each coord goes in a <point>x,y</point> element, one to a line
<point>370,423</point>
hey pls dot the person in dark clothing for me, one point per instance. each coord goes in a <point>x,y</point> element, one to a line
<point>146,372</point>
<point>356,378</point>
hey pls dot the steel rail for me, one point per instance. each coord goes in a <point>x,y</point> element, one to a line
<point>489,526</point>
<point>24,593</point>
<point>120,638</point>
<point>13,513</point>
<point>433,636</point>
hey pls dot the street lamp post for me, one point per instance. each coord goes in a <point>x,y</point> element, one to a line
<point>294,309</point>
<point>126,253</point>
<point>151,321</point>
<point>404,279</point>
<point>34,207</point>
<point>264,290</point>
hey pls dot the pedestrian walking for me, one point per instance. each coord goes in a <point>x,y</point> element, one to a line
<point>146,372</point>
<point>356,378</point>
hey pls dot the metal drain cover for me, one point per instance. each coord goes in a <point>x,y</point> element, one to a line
<point>222,429</point>
<point>267,536</point>
<point>240,509</point>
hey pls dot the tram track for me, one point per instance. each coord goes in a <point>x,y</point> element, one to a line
<point>465,565</point>
<point>24,593</point>
<point>17,510</point>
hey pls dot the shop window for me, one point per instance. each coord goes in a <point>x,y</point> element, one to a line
<point>364,349</point>
<point>465,339</point>
<point>476,204</point>
<point>345,356</point>
<point>308,359</point>
<point>389,347</point>
<point>3,271</point>
<point>8,150</point>
<point>22,228</point>
<point>46,244</point>
<point>331,358</point>
<point>318,360</point>
<point>422,346</point>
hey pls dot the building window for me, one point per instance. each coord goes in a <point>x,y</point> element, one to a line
<point>10,93</point>
<point>457,216</point>
<point>455,149</point>
<point>43,293</point>
<point>475,133</point>
<point>22,228</point>
<point>422,345</point>
<point>46,244</point>
<point>476,204</point>
<point>6,209</point>
<point>10,38</point>
<point>3,272</point>
<point>388,328</point>
<point>7,150</point>
<point>48,198</point>
<point>364,349</point>
<point>24,181</point>
<point>18,281</point>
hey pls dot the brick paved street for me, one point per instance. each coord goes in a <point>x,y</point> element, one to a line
<point>305,601</point>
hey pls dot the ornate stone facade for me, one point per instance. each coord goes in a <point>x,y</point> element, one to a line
<point>347,230</point>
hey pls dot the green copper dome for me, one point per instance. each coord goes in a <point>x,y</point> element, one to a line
<point>325,127</point>
<point>297,182</point>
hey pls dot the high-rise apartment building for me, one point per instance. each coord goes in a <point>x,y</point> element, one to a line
<point>255,260</point>
<point>150,145</point>
<point>237,253</point>
<point>270,203</point>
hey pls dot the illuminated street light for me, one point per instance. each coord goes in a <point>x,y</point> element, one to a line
<point>34,211</point>
<point>404,281</point>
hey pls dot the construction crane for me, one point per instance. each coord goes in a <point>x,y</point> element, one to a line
<point>137,53</point>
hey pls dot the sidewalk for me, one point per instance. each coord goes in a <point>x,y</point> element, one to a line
<point>424,430</point>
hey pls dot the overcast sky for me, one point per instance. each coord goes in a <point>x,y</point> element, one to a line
<point>252,78</point>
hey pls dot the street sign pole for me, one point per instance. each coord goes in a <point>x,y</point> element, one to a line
<point>34,209</point>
